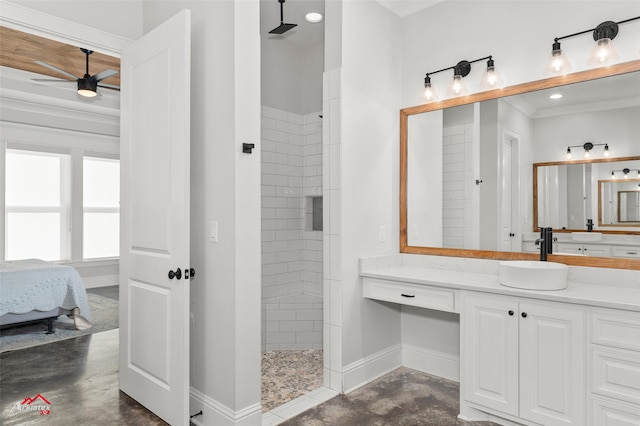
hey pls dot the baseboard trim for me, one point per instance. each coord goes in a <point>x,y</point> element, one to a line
<point>100,281</point>
<point>431,362</point>
<point>370,368</point>
<point>217,414</point>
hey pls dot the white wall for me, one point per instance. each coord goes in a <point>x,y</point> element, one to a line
<point>121,17</point>
<point>617,127</point>
<point>518,34</point>
<point>291,75</point>
<point>369,173</point>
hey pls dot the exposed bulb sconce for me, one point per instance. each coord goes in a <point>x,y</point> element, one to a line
<point>588,146</point>
<point>491,79</point>
<point>625,172</point>
<point>603,52</point>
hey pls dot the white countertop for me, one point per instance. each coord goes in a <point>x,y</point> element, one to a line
<point>606,294</point>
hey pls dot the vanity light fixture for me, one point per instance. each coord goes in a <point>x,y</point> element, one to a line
<point>588,146</point>
<point>625,172</point>
<point>603,52</point>
<point>491,79</point>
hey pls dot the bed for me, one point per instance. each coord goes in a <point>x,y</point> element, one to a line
<point>33,289</point>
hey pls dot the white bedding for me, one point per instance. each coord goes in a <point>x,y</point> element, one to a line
<point>32,284</point>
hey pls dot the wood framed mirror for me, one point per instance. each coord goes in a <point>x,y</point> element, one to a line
<point>420,180</point>
<point>567,194</point>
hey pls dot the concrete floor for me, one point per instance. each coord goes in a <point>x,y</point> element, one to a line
<point>79,379</point>
<point>403,397</point>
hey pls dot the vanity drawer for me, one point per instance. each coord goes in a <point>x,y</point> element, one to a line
<point>629,252</point>
<point>616,374</point>
<point>440,299</point>
<point>608,413</point>
<point>618,330</point>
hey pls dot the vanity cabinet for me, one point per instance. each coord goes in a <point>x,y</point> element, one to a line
<point>597,250</point>
<point>614,348</point>
<point>626,252</point>
<point>523,358</point>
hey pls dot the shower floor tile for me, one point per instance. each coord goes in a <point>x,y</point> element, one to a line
<point>286,375</point>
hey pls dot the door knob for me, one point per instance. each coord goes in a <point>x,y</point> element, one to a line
<point>189,273</point>
<point>177,274</point>
<point>510,313</point>
<point>524,315</point>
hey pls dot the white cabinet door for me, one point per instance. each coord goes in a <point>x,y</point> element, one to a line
<point>596,250</point>
<point>569,248</point>
<point>489,332</point>
<point>552,364</point>
<point>524,359</point>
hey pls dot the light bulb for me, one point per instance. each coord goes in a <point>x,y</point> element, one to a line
<point>569,155</point>
<point>491,78</point>
<point>587,154</point>
<point>558,62</point>
<point>603,53</point>
<point>430,94</point>
<point>606,151</point>
<point>457,86</point>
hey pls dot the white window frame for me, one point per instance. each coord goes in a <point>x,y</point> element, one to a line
<point>88,154</point>
<point>78,144</point>
<point>64,209</point>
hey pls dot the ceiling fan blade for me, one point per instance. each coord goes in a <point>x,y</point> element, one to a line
<point>50,80</point>
<point>56,69</point>
<point>109,86</point>
<point>105,74</point>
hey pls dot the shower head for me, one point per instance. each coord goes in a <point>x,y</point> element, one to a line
<point>282,28</point>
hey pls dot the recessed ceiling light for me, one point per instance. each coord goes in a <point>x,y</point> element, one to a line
<point>313,17</point>
<point>555,96</point>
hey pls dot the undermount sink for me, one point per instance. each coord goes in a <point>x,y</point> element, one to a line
<point>533,275</point>
<point>586,236</point>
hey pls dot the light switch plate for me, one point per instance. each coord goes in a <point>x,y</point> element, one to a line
<point>213,231</point>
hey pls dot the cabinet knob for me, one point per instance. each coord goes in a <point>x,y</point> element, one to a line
<point>524,315</point>
<point>510,313</point>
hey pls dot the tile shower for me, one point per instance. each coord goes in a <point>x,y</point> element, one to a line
<point>291,230</point>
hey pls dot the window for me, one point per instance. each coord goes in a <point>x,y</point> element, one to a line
<point>101,199</point>
<point>60,204</point>
<point>37,205</point>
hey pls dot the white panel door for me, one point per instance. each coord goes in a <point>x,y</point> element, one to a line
<point>552,365</point>
<point>155,132</point>
<point>489,370</point>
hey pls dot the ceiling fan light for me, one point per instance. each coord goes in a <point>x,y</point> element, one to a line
<point>87,87</point>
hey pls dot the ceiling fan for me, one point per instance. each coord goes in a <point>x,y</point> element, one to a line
<point>87,85</point>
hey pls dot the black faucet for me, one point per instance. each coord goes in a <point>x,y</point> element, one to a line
<point>543,249</point>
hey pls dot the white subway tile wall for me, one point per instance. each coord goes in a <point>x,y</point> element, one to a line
<point>291,250</point>
<point>457,169</point>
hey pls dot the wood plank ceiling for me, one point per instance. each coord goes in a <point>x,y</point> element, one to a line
<point>19,50</point>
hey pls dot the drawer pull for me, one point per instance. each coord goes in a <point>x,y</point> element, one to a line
<point>632,252</point>
<point>408,295</point>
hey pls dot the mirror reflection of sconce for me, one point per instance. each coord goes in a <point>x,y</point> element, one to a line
<point>491,79</point>
<point>588,146</point>
<point>603,52</point>
<point>625,173</point>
